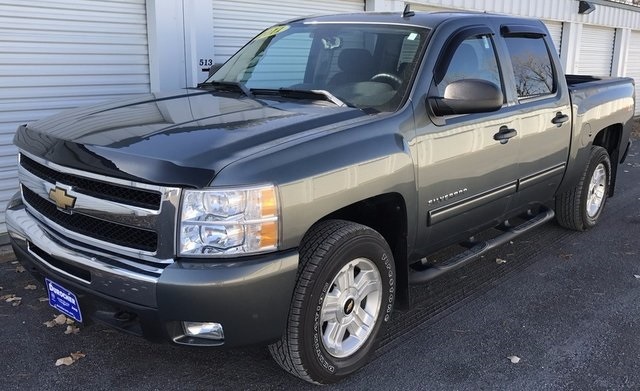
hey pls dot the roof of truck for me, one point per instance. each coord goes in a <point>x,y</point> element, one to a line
<point>422,19</point>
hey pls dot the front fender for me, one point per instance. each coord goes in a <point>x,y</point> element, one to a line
<point>332,170</point>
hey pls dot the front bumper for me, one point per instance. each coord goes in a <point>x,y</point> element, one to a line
<point>249,297</point>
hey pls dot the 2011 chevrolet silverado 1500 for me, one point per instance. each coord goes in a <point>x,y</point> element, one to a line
<point>295,195</point>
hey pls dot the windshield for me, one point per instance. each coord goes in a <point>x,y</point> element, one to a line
<point>362,65</point>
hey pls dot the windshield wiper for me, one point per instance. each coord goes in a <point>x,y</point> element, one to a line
<point>228,86</point>
<point>302,94</point>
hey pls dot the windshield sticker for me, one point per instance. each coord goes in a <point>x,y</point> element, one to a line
<point>485,40</point>
<point>270,32</point>
<point>412,37</point>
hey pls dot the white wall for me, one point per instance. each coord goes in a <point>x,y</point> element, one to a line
<point>179,37</point>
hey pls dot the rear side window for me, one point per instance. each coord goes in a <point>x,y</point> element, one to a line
<point>532,66</point>
<point>475,58</point>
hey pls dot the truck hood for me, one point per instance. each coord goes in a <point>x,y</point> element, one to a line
<point>173,139</point>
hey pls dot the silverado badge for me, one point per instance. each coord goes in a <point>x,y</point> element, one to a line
<point>63,200</point>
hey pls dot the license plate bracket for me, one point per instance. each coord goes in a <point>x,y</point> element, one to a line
<point>63,300</point>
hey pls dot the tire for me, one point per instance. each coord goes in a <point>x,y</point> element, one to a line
<point>580,208</point>
<point>332,327</point>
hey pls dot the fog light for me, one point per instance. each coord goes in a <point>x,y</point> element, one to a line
<point>208,330</point>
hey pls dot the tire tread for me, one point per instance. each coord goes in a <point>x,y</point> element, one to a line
<point>315,245</point>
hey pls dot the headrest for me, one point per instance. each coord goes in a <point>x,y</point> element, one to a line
<point>354,60</point>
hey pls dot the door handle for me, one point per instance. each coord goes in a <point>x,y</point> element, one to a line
<point>504,134</point>
<point>560,118</point>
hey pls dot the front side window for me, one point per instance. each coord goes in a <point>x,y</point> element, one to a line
<point>532,67</point>
<point>475,58</point>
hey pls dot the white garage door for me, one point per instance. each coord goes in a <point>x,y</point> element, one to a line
<point>596,51</point>
<point>633,64</point>
<point>236,22</point>
<point>58,54</point>
<point>429,8</point>
<point>555,30</point>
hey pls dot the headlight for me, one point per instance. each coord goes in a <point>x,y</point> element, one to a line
<point>228,221</point>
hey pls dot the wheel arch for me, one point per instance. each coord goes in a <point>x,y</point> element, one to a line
<point>609,138</point>
<point>387,214</point>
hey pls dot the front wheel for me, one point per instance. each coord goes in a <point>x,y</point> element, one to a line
<point>343,297</point>
<point>580,207</point>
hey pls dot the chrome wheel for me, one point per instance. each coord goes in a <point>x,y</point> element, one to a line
<point>597,190</point>
<point>351,307</point>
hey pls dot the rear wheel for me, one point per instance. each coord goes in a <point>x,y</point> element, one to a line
<point>343,297</point>
<point>581,207</point>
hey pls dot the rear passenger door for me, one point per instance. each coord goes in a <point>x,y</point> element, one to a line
<point>543,104</point>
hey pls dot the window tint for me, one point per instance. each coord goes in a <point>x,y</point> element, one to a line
<point>531,65</point>
<point>473,59</point>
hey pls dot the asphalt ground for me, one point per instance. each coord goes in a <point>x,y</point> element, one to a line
<point>567,304</point>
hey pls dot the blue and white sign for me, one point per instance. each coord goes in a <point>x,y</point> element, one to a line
<point>63,300</point>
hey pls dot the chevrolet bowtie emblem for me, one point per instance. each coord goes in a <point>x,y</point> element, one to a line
<point>63,200</point>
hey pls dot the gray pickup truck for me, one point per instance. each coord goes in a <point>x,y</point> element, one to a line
<point>293,197</point>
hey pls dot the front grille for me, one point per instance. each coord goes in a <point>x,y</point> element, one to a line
<point>121,194</point>
<point>119,234</point>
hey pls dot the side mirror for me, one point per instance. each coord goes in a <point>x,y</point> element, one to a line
<point>214,68</point>
<point>467,96</point>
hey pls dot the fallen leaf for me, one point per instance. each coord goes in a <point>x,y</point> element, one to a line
<point>500,261</point>
<point>64,361</point>
<point>71,330</point>
<point>73,357</point>
<point>636,275</point>
<point>60,319</point>
<point>13,298</point>
<point>5,297</point>
<point>566,256</point>
<point>514,359</point>
<point>15,301</point>
<point>31,287</point>
<point>20,269</point>
<point>14,262</point>
<point>50,323</point>
<point>43,299</point>
<point>78,355</point>
<point>70,321</point>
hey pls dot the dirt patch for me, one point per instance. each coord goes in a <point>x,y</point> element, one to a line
<point>635,131</point>
<point>6,254</point>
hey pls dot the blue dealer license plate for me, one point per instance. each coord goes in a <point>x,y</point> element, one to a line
<point>63,300</point>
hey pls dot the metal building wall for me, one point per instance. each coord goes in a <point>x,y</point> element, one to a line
<point>58,54</point>
<point>236,22</point>
<point>612,15</point>
<point>596,51</point>
<point>633,64</point>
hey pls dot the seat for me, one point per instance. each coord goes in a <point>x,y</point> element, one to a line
<point>355,65</point>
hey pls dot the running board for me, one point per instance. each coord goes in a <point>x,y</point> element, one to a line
<point>478,249</point>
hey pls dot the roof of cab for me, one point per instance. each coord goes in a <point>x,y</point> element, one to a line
<point>423,19</point>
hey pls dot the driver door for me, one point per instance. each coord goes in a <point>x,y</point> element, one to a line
<point>466,177</point>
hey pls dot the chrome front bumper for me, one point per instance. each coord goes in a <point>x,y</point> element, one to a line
<point>55,253</point>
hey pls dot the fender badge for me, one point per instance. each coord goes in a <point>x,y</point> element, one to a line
<point>63,200</point>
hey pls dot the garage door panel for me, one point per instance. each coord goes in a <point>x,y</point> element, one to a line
<point>60,54</point>
<point>596,51</point>
<point>633,64</point>
<point>233,26</point>
<point>555,31</point>
<point>85,59</point>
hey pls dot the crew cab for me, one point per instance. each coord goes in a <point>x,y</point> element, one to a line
<point>293,197</point>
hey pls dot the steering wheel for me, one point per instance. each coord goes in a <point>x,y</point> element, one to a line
<point>388,78</point>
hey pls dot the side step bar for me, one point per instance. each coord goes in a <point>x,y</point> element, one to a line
<point>478,249</point>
